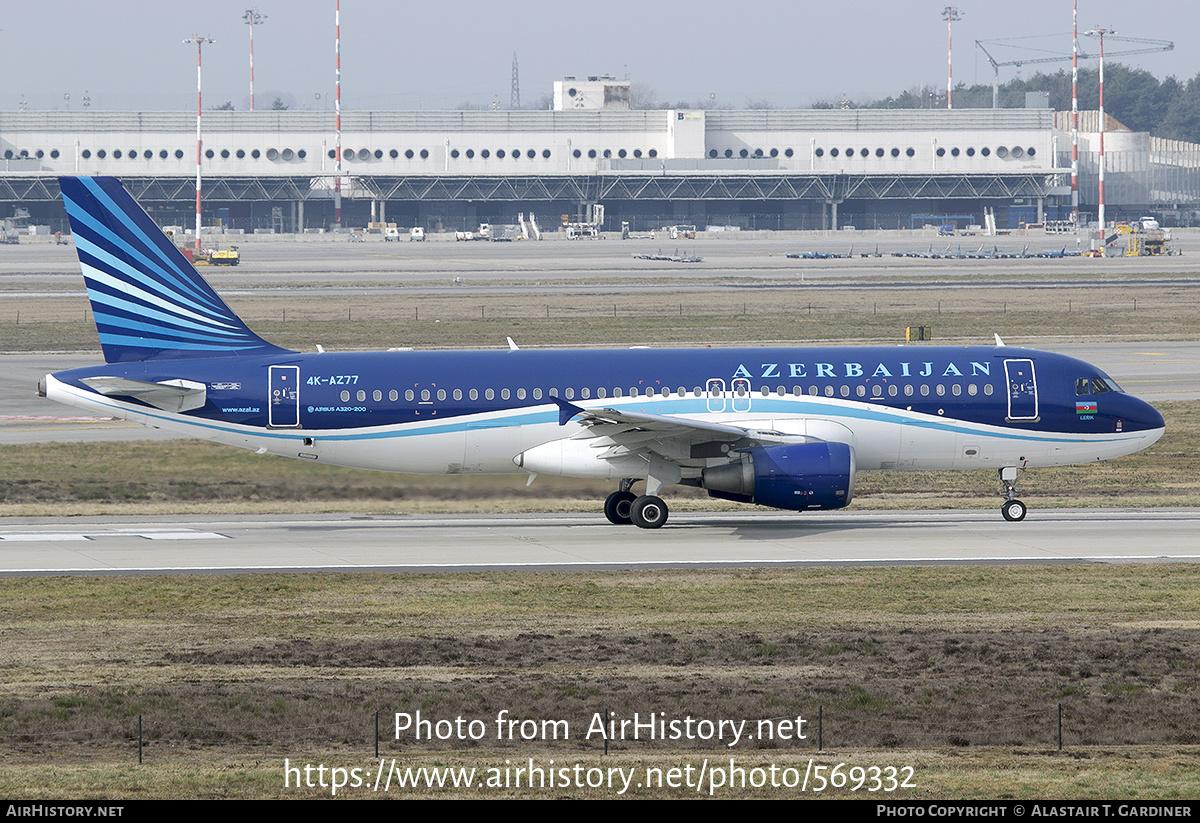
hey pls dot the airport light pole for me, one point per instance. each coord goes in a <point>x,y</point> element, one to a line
<point>1075,118</point>
<point>1099,32</point>
<point>252,18</point>
<point>337,115</point>
<point>199,41</point>
<point>950,14</point>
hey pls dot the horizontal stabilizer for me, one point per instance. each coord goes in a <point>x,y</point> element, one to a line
<point>170,395</point>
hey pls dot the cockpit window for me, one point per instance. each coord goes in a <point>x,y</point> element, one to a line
<point>1095,385</point>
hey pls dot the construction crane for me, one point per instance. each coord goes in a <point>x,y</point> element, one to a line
<point>1149,46</point>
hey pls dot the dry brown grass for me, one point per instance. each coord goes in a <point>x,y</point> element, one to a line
<point>956,670</point>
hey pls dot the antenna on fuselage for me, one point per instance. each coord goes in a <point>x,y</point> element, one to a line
<point>999,342</point>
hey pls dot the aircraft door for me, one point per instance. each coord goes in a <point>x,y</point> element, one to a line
<point>283,402</point>
<point>1022,389</point>
<point>741,394</point>
<point>714,390</point>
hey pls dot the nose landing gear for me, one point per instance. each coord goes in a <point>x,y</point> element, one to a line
<point>1013,510</point>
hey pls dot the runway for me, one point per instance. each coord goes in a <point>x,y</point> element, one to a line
<point>418,544</point>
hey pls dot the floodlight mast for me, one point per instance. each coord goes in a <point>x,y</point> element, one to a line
<point>337,116</point>
<point>950,14</point>
<point>1075,117</point>
<point>252,18</point>
<point>1099,32</point>
<point>199,41</point>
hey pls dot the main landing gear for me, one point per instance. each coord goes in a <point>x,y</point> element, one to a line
<point>1012,509</point>
<point>623,507</point>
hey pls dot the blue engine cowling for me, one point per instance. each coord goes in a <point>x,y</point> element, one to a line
<point>797,477</point>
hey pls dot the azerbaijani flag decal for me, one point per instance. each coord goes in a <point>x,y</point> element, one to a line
<point>1087,407</point>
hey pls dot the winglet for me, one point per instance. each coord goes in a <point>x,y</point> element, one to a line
<point>999,342</point>
<point>566,410</point>
<point>511,345</point>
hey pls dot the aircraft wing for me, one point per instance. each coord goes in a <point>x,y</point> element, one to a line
<point>625,431</point>
<point>170,395</point>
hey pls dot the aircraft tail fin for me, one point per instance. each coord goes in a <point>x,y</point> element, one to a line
<point>148,300</point>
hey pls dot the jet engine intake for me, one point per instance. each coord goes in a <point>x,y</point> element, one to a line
<point>795,476</point>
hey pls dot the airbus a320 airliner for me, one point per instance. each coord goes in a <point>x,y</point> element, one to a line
<point>787,428</point>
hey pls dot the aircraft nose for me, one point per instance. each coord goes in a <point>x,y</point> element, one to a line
<point>1148,417</point>
<point>1141,416</point>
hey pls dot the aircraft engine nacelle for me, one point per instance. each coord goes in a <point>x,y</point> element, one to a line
<point>797,477</point>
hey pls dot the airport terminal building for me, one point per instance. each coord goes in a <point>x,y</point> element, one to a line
<point>448,170</point>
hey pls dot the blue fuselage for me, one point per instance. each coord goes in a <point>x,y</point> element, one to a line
<point>945,394</point>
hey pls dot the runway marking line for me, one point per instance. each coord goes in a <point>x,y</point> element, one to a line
<point>147,534</point>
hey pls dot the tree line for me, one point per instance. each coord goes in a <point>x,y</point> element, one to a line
<point>1165,108</point>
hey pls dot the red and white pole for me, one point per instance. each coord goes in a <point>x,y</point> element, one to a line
<point>199,41</point>
<point>252,18</point>
<point>337,115</point>
<point>950,14</point>
<point>1100,32</point>
<point>1075,115</point>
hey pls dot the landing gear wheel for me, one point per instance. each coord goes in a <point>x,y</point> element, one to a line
<point>617,506</point>
<point>648,512</point>
<point>1013,510</point>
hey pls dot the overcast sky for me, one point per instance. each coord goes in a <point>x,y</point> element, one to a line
<point>129,54</point>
